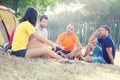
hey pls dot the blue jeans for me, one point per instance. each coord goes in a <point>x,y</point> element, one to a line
<point>98,55</point>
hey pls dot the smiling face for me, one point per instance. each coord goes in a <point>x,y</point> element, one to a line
<point>43,23</point>
<point>70,29</point>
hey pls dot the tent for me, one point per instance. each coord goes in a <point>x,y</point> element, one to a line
<point>8,22</point>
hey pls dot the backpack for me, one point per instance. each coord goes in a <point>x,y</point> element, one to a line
<point>6,48</point>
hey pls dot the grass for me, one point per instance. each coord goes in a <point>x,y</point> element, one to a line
<point>13,68</point>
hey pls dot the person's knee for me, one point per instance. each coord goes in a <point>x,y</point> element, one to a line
<point>78,53</point>
<point>92,45</point>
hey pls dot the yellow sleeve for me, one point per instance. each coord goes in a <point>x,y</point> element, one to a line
<point>29,28</point>
<point>21,36</point>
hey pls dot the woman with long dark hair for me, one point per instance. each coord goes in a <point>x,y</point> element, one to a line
<point>22,35</point>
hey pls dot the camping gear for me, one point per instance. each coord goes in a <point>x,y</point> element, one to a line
<point>8,22</point>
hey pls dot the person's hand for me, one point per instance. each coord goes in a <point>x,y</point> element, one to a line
<point>97,31</point>
<point>54,47</point>
<point>59,46</point>
<point>70,55</point>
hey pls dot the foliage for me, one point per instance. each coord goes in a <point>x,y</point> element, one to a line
<point>20,5</point>
<point>87,19</point>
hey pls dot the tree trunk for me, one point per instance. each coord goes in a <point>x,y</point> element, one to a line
<point>118,42</point>
<point>15,5</point>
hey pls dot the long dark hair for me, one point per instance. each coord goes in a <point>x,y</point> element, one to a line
<point>30,15</point>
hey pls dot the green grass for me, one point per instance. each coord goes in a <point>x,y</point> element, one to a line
<point>13,68</point>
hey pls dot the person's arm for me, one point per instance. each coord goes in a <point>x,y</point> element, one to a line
<point>58,41</point>
<point>77,42</point>
<point>58,44</point>
<point>78,45</point>
<point>46,34</point>
<point>109,51</point>
<point>92,42</point>
<point>93,37</point>
<point>48,42</point>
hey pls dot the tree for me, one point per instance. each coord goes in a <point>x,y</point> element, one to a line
<point>20,5</point>
<point>94,14</point>
<point>87,19</point>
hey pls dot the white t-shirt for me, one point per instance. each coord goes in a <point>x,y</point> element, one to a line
<point>43,33</point>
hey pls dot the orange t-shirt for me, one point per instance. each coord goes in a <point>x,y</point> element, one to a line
<point>68,42</point>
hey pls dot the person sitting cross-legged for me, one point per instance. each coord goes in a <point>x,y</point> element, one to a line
<point>69,43</point>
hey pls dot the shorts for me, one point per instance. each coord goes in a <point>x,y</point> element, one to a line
<point>98,55</point>
<point>64,51</point>
<point>19,53</point>
<point>57,49</point>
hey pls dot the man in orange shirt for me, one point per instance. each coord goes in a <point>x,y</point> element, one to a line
<point>69,42</point>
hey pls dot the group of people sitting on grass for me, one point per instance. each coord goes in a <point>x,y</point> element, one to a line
<point>30,41</point>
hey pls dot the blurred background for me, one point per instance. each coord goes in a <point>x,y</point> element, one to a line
<point>87,15</point>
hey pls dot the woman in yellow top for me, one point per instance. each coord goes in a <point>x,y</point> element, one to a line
<point>22,35</point>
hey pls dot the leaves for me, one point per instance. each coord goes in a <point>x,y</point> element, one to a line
<point>92,15</point>
<point>21,5</point>
<point>87,19</point>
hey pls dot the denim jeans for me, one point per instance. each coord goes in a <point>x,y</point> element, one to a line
<point>98,55</point>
